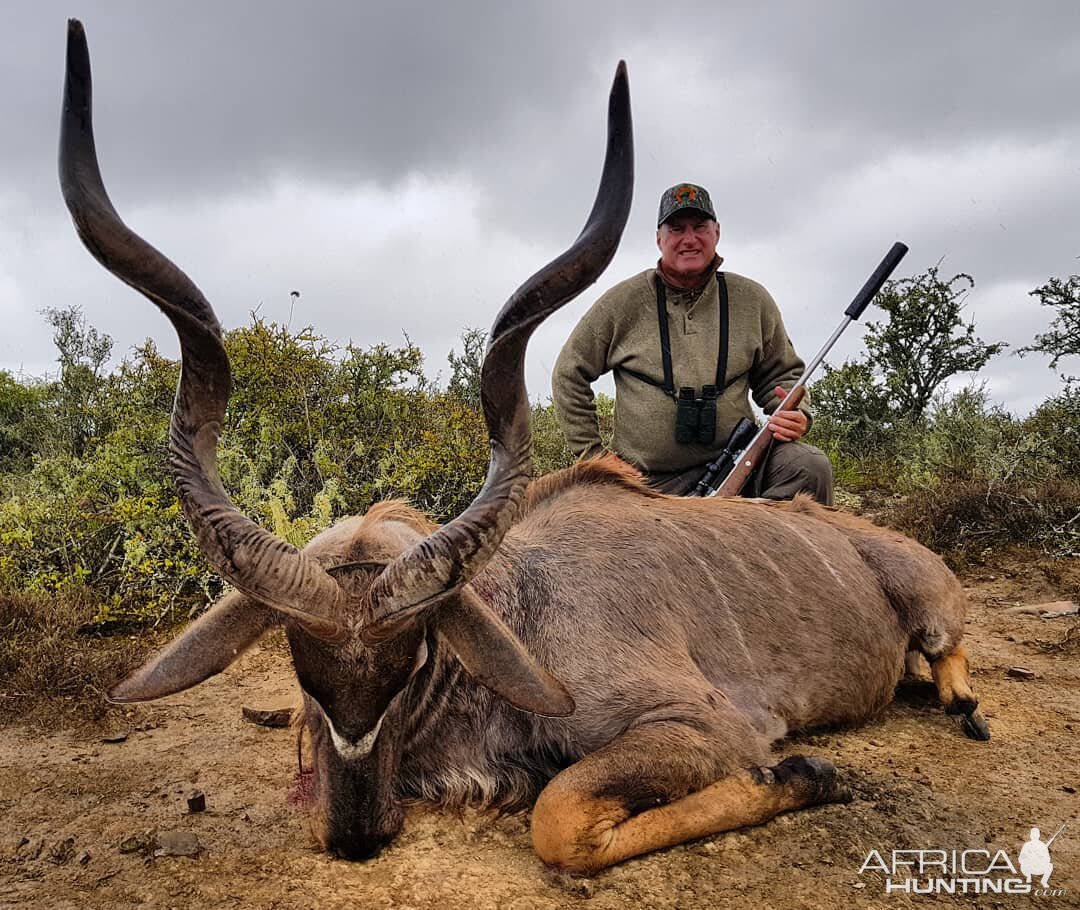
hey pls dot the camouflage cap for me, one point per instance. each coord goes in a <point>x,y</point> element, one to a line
<point>684,196</point>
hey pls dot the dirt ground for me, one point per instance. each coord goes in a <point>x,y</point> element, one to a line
<point>83,818</point>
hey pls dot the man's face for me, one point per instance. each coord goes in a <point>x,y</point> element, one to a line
<point>687,243</point>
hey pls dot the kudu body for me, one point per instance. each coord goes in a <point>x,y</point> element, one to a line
<point>629,656</point>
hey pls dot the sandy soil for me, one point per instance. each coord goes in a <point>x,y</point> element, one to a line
<point>81,816</point>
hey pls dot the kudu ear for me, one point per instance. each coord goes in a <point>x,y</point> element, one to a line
<point>207,647</point>
<point>494,657</point>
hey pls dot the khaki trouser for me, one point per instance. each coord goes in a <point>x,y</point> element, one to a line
<point>790,468</point>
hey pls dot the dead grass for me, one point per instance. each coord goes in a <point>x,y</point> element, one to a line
<point>50,670</point>
<point>963,521</point>
<point>1068,643</point>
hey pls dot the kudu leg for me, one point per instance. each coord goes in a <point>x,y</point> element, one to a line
<point>912,666</point>
<point>952,677</point>
<point>644,791</point>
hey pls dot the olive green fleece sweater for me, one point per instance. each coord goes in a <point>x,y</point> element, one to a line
<point>620,332</point>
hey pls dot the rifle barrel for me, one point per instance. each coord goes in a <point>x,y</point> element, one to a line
<point>739,474</point>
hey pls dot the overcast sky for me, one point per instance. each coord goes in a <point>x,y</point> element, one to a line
<point>406,165</point>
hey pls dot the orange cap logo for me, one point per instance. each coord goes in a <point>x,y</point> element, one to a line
<point>685,194</point>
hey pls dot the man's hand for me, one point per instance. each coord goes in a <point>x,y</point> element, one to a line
<point>787,426</point>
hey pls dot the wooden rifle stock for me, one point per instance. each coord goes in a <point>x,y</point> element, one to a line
<point>759,445</point>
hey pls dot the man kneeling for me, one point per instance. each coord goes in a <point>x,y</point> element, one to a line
<point>688,345</point>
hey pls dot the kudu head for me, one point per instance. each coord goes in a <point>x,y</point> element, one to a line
<point>360,604</point>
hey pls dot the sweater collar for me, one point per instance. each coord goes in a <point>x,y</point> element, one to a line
<point>699,283</point>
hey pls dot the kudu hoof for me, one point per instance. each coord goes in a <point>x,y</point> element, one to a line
<point>975,726</point>
<point>813,779</point>
<point>960,705</point>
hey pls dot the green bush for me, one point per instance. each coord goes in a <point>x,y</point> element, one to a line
<point>22,421</point>
<point>963,438</point>
<point>1057,421</point>
<point>314,432</point>
<point>444,466</point>
<point>311,433</point>
<point>550,451</point>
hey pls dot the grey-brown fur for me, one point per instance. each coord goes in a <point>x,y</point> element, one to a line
<point>648,606</point>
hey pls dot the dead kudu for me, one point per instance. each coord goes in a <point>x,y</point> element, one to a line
<point>616,651</point>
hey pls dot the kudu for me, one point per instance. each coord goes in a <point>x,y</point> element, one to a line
<point>631,655</point>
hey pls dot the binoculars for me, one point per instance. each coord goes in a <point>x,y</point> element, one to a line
<point>695,417</point>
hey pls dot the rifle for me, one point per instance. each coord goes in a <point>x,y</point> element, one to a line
<point>1056,833</point>
<point>721,467</point>
<point>755,451</point>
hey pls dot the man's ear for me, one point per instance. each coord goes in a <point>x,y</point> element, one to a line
<point>494,656</point>
<point>204,649</point>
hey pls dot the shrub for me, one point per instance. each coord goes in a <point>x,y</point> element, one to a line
<point>1057,421</point>
<point>967,518</point>
<point>444,466</point>
<point>550,451</point>
<point>46,660</point>
<point>311,433</point>
<point>924,341</point>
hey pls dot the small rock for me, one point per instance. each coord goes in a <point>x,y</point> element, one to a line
<point>196,801</point>
<point>582,887</point>
<point>32,848</point>
<point>62,851</point>
<point>275,717</point>
<point>114,738</point>
<point>1020,673</point>
<point>859,885</point>
<point>177,843</point>
<point>1068,789</point>
<point>876,743</point>
<point>83,858</point>
<point>137,843</point>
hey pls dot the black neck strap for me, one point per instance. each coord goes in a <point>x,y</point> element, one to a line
<point>668,386</point>
<point>665,337</point>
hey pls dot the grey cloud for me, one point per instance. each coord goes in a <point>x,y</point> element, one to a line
<point>231,132</point>
<point>203,98</point>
